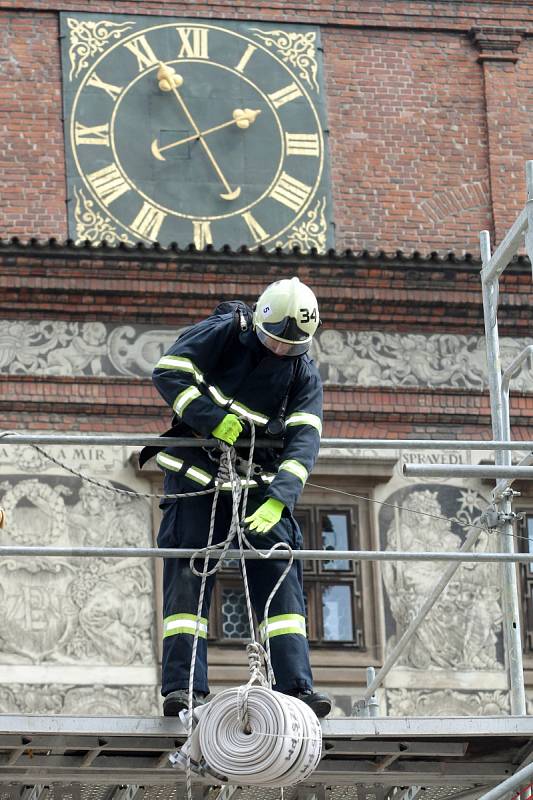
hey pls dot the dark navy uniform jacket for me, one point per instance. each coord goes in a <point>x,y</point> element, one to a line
<point>212,370</point>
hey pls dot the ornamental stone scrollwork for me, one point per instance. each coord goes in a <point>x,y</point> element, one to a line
<point>91,225</point>
<point>311,232</point>
<point>88,38</point>
<point>135,353</point>
<point>374,358</point>
<point>94,700</point>
<point>446,703</point>
<point>463,630</point>
<point>348,358</point>
<point>296,49</point>
<point>53,348</point>
<point>72,611</point>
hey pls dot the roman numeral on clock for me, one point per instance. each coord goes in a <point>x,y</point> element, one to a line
<point>108,184</point>
<point>290,191</point>
<point>302,144</point>
<point>285,95</point>
<point>255,228</point>
<point>246,56</point>
<point>193,42</point>
<point>148,221</point>
<point>143,52</point>
<point>201,233</point>
<point>97,134</point>
<point>110,88</point>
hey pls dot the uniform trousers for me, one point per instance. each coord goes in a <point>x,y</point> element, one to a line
<point>185,524</point>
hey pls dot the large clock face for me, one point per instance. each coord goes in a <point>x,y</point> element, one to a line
<point>186,131</point>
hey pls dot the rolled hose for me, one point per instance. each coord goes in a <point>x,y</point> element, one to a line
<point>279,745</point>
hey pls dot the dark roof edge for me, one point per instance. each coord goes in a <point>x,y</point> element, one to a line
<point>156,252</point>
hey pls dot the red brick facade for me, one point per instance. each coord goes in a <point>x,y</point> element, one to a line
<point>170,290</point>
<point>429,109</point>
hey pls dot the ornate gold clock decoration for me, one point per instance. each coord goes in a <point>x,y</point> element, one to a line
<point>193,131</point>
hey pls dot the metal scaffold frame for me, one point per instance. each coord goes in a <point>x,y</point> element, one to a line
<point>16,732</point>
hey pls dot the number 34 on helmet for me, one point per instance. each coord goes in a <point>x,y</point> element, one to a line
<point>286,317</point>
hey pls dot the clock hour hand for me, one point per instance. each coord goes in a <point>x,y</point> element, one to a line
<point>168,77</point>
<point>242,118</point>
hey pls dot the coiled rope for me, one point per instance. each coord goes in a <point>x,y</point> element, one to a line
<point>249,735</point>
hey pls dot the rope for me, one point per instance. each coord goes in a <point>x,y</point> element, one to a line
<point>249,735</point>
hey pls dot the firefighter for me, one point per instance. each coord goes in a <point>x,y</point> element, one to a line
<point>228,369</point>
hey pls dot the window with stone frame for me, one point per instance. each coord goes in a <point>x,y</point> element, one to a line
<point>333,593</point>
<point>525,544</point>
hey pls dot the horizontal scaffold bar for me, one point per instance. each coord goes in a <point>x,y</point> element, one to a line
<point>300,555</point>
<point>140,440</point>
<point>460,471</point>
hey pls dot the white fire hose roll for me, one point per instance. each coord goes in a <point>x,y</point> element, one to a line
<point>283,747</point>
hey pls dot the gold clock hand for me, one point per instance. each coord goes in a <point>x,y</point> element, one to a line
<point>230,194</point>
<point>242,118</point>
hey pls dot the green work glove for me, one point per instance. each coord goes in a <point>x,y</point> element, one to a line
<point>228,430</point>
<point>266,516</point>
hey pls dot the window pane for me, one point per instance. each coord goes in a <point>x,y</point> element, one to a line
<point>337,613</point>
<point>234,616</point>
<point>335,537</point>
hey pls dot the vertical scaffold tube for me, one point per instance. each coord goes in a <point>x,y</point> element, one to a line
<point>500,427</point>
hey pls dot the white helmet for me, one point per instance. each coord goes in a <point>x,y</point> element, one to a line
<point>286,317</point>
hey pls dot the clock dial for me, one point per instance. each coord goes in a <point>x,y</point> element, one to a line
<point>195,132</point>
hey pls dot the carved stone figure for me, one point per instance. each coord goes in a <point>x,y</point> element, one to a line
<point>74,610</point>
<point>462,631</point>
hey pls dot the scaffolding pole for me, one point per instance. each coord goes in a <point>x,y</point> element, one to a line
<point>493,265</point>
<point>460,471</point>
<point>459,556</point>
<point>140,440</point>
<point>514,782</point>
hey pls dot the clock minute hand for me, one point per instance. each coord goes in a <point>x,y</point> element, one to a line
<point>230,194</point>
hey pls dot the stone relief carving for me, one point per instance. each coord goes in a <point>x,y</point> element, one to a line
<point>463,630</point>
<point>79,700</point>
<point>71,611</point>
<point>362,358</point>
<point>446,703</point>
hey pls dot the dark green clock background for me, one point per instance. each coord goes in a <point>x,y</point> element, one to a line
<point>184,191</point>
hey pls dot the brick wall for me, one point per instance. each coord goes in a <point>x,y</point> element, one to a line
<point>172,290</point>
<point>426,148</point>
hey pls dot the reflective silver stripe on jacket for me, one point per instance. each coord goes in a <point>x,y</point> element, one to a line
<point>184,399</point>
<point>204,478</point>
<point>293,466</point>
<point>238,408</point>
<point>182,364</point>
<point>304,418</point>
